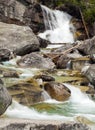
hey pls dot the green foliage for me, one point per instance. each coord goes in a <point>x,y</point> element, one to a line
<point>89,15</point>
<point>87,7</point>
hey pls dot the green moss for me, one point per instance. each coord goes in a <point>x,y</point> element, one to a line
<point>89,15</point>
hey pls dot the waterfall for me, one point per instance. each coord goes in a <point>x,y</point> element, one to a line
<point>58,26</point>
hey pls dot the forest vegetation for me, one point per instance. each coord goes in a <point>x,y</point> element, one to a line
<point>87,7</point>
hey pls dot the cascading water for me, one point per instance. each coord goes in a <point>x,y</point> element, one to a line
<point>79,104</point>
<point>58,26</point>
<point>45,95</point>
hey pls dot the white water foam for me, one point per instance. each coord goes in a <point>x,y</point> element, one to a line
<point>58,26</point>
<point>79,97</point>
<point>79,104</point>
<point>19,111</point>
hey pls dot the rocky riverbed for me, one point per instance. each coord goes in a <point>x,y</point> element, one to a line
<point>52,79</point>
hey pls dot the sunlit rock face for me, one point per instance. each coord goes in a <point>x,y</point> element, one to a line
<point>14,37</point>
<point>5,98</point>
<point>57,91</point>
<point>26,92</point>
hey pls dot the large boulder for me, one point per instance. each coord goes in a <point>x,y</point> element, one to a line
<point>22,12</point>
<point>33,17</point>
<point>43,43</point>
<point>5,55</point>
<point>23,50</point>
<point>63,61</point>
<point>19,39</point>
<point>5,98</point>
<point>57,91</point>
<point>24,90</point>
<point>45,78</point>
<point>87,47</point>
<point>22,124</point>
<point>89,72</point>
<point>11,11</point>
<point>36,60</point>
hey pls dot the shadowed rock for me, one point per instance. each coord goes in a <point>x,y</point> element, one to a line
<point>90,74</point>
<point>5,98</point>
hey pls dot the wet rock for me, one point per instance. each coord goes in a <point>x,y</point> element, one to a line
<point>5,98</point>
<point>27,49</point>
<point>5,55</point>
<point>79,63</point>
<point>79,33</point>
<point>92,58</point>
<point>36,60</point>
<point>43,43</point>
<point>45,77</point>
<point>87,47</point>
<point>63,61</point>
<point>23,91</point>
<point>11,74</point>
<point>84,120</point>
<point>90,73</point>
<point>15,37</point>
<point>57,91</point>
<point>33,17</point>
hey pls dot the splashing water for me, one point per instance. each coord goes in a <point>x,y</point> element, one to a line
<point>20,111</point>
<point>58,26</point>
<point>78,97</point>
<point>79,104</point>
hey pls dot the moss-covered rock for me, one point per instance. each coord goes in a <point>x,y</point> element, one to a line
<point>26,92</point>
